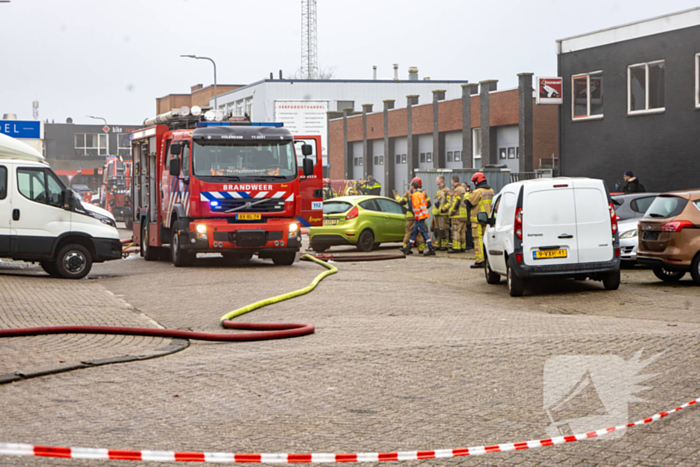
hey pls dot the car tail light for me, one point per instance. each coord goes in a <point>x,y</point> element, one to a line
<point>613,219</point>
<point>354,212</point>
<point>518,224</point>
<point>676,226</point>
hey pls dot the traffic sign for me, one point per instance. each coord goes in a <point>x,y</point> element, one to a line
<point>105,129</point>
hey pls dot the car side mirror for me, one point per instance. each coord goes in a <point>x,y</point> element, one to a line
<point>175,167</point>
<point>308,166</point>
<point>306,149</point>
<point>176,149</point>
<point>483,218</point>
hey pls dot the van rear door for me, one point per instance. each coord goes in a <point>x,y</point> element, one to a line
<point>549,223</point>
<point>595,240</point>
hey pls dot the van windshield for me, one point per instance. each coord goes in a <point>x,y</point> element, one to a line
<point>244,160</point>
<point>666,206</point>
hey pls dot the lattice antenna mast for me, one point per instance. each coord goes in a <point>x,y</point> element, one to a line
<point>309,44</point>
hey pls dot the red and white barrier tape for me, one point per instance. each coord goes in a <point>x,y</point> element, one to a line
<point>223,457</point>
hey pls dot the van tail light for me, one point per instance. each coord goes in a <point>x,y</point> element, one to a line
<point>518,224</point>
<point>613,219</point>
<point>519,257</point>
<point>617,252</point>
<point>676,226</point>
<point>354,212</point>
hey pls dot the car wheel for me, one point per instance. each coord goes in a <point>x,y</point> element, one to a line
<point>73,262</point>
<point>179,257</point>
<point>319,248</point>
<point>491,277</point>
<point>668,275</point>
<point>376,246</point>
<point>695,269</point>
<point>516,286</point>
<point>366,241</point>
<point>50,268</point>
<point>611,281</point>
<point>284,259</point>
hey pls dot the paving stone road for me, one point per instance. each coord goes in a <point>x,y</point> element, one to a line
<point>410,354</point>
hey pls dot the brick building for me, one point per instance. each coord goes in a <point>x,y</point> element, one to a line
<point>199,95</point>
<point>632,102</point>
<point>505,129</point>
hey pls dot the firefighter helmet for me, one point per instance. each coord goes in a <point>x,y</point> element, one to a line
<point>478,178</point>
<point>418,181</point>
<point>327,181</point>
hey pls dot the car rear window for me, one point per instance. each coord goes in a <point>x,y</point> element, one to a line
<point>642,204</point>
<point>335,207</point>
<point>619,199</point>
<point>666,206</point>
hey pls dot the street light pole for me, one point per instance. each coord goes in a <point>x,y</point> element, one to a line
<point>216,94</point>
<point>98,118</point>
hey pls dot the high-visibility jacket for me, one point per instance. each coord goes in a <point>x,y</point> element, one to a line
<point>480,200</point>
<point>405,201</point>
<point>329,193</point>
<point>373,188</point>
<point>441,206</point>
<point>458,209</point>
<point>420,206</point>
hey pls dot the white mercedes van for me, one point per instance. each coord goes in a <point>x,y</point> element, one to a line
<point>552,227</point>
<point>43,221</point>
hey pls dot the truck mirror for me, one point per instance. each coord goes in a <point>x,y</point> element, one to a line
<point>306,149</point>
<point>176,149</point>
<point>308,166</point>
<point>482,218</point>
<point>175,167</point>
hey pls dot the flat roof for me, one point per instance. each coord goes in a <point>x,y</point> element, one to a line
<point>647,27</point>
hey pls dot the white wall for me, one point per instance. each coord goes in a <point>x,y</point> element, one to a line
<point>507,137</point>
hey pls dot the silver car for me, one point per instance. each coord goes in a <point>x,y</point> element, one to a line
<point>628,240</point>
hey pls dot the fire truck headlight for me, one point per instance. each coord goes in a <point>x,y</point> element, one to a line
<point>293,229</point>
<point>201,228</point>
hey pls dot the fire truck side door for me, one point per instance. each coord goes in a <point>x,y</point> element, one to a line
<point>310,187</point>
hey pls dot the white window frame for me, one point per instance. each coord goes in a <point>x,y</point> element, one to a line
<point>647,110</point>
<point>476,148</point>
<point>588,115</point>
<point>99,146</point>
<point>697,81</point>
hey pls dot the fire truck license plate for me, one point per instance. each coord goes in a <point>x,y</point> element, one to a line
<point>248,217</point>
<point>545,254</point>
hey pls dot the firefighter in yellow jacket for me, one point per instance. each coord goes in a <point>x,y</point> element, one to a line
<point>458,217</point>
<point>405,200</point>
<point>479,201</point>
<point>441,210</point>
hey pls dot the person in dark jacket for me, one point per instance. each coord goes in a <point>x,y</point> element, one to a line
<point>632,184</point>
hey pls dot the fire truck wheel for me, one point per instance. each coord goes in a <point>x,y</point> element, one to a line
<point>284,259</point>
<point>73,261</point>
<point>129,223</point>
<point>148,252</point>
<point>179,257</point>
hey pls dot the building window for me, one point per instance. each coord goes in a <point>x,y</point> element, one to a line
<point>697,80</point>
<point>646,83</point>
<point>87,144</point>
<point>398,158</point>
<point>422,157</point>
<point>403,158</point>
<point>458,156</point>
<point>357,161</point>
<point>381,160</point>
<point>476,146</point>
<point>587,95</point>
<point>429,157</point>
<point>239,107</point>
<point>124,145</point>
<point>249,107</point>
<point>450,156</point>
<point>342,105</point>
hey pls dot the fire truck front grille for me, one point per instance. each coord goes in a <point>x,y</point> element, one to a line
<point>251,205</point>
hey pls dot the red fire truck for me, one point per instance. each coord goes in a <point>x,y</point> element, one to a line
<point>232,188</point>
<point>115,191</point>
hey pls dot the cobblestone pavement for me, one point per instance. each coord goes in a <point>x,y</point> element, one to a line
<point>418,353</point>
<point>28,297</point>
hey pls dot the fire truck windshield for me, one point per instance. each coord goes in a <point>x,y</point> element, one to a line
<point>243,160</point>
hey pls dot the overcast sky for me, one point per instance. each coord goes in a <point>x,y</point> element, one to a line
<point>112,58</point>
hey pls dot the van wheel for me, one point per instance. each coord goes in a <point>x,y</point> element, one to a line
<point>612,281</point>
<point>516,286</point>
<point>491,277</point>
<point>695,269</point>
<point>668,275</point>
<point>366,241</point>
<point>50,268</point>
<point>284,259</point>
<point>73,262</point>
<point>148,252</point>
<point>179,257</point>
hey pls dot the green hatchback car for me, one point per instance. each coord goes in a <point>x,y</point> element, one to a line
<point>363,221</point>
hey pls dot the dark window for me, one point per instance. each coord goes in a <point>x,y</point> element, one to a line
<point>587,95</point>
<point>398,158</point>
<point>450,156</point>
<point>390,206</point>
<point>369,205</point>
<point>3,182</point>
<point>422,157</point>
<point>666,206</point>
<point>642,204</point>
<point>335,207</point>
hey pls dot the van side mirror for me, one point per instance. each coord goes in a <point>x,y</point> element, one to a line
<point>308,166</point>
<point>68,199</point>
<point>306,149</point>
<point>175,167</point>
<point>176,149</point>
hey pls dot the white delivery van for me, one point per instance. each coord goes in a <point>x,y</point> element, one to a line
<point>43,221</point>
<point>552,227</point>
